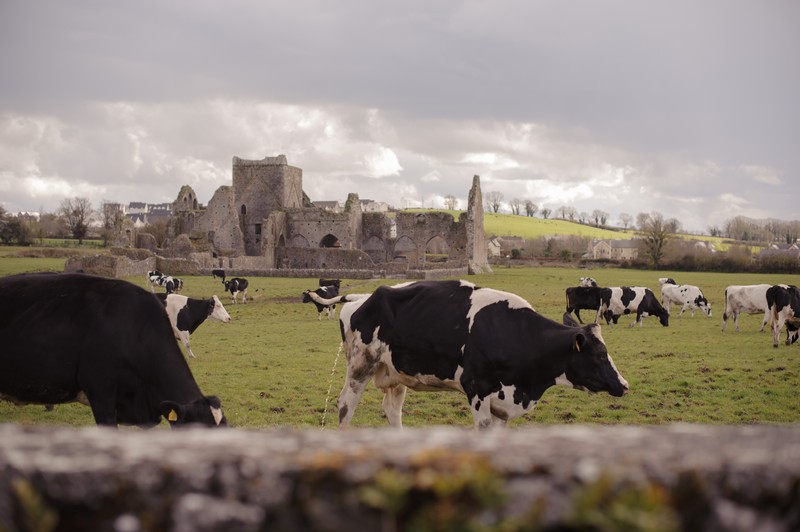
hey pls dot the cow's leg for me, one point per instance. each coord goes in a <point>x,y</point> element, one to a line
<point>736,321</point>
<point>244,295</point>
<point>481,413</point>
<point>185,339</point>
<point>578,315</point>
<point>767,316</point>
<point>349,398</point>
<point>393,398</point>
<point>683,309</point>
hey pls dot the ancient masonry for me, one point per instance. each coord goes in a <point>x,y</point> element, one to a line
<point>265,214</point>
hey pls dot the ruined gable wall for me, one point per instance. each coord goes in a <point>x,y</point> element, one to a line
<point>221,223</point>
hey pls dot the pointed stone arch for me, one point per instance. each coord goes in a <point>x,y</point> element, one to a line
<point>375,247</point>
<point>405,249</point>
<point>329,241</point>
<point>437,250</point>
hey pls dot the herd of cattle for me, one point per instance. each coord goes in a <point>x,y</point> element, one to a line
<point>111,345</point>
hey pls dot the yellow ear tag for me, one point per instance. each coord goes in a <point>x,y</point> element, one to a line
<point>173,416</point>
<point>577,347</point>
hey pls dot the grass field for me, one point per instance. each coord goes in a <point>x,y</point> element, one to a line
<point>273,365</point>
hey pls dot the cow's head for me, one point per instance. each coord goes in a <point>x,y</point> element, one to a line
<point>703,304</point>
<point>663,317</point>
<point>589,365</point>
<point>587,281</point>
<point>307,297</point>
<point>666,280</point>
<point>216,311</point>
<point>204,411</point>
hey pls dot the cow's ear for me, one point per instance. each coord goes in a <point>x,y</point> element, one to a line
<point>214,401</point>
<point>172,411</point>
<point>579,342</point>
<point>211,305</point>
<point>569,320</point>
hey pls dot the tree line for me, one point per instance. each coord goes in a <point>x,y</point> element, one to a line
<point>75,218</point>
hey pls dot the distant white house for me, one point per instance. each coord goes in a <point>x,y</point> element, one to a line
<point>614,249</point>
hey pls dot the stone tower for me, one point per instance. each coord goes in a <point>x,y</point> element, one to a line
<point>260,187</point>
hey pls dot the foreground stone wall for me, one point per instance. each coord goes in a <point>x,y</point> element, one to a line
<point>680,477</point>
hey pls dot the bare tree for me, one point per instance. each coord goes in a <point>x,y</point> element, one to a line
<point>76,214</point>
<point>583,217</point>
<point>625,219</point>
<point>450,202</point>
<point>494,199</point>
<point>656,234</point>
<point>570,212</point>
<point>641,220</point>
<point>600,217</point>
<point>530,208</point>
<point>516,205</point>
<point>561,212</point>
<point>545,213</point>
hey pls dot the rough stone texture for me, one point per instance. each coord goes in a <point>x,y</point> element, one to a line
<point>476,238</point>
<point>680,477</point>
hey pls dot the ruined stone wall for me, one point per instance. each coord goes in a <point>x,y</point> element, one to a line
<point>220,223</point>
<point>422,228</point>
<point>569,477</point>
<point>323,258</point>
<point>477,249</point>
<point>315,224</point>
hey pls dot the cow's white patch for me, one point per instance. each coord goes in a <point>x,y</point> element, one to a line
<point>217,413</point>
<point>483,297</point>
<point>219,313</point>
<point>503,405</point>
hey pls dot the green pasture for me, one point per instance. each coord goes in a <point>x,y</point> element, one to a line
<point>275,364</point>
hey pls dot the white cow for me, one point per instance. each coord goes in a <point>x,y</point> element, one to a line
<point>187,314</point>
<point>688,296</point>
<point>751,299</point>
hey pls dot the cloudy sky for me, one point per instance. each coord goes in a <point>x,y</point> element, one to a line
<point>690,109</point>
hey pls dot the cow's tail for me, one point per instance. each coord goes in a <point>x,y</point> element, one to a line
<point>334,300</point>
<point>725,308</point>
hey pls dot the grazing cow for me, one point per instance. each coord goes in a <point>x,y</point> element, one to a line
<point>784,301</point>
<point>324,292</point>
<point>582,297</point>
<point>490,345</point>
<point>587,281</point>
<point>187,314</point>
<point>236,285</point>
<point>618,300</point>
<point>103,342</point>
<point>687,295</point>
<point>751,299</point>
<point>218,273</point>
<point>331,282</point>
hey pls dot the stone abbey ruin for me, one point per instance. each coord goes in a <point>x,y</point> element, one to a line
<point>265,224</point>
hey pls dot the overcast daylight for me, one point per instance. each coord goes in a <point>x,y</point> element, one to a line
<point>690,109</point>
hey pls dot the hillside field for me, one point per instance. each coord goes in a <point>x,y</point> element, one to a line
<point>277,365</point>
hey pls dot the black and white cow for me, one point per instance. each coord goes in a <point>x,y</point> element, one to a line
<point>784,301</point>
<point>324,292</point>
<point>750,299</point>
<point>218,273</point>
<point>490,345</point>
<point>618,300</point>
<point>688,296</point>
<point>103,342</point>
<point>583,298</point>
<point>236,285</point>
<point>157,278</point>
<point>187,314</point>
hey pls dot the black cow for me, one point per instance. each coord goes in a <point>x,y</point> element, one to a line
<point>236,285</point>
<point>103,342</point>
<point>187,314</point>
<point>582,297</point>
<point>784,304</point>
<point>218,273</point>
<point>324,292</point>
<point>452,335</point>
<point>331,282</point>
<point>618,300</point>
